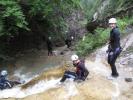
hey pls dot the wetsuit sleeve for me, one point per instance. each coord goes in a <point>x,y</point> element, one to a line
<point>81,69</point>
<point>3,80</point>
<point>116,35</point>
<point>117,38</point>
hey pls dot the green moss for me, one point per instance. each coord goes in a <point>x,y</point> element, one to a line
<point>124,22</point>
<point>92,42</point>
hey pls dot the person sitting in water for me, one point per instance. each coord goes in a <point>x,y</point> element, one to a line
<point>81,72</point>
<point>4,82</point>
<point>3,79</point>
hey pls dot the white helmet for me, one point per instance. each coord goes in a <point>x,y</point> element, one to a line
<point>3,73</point>
<point>72,37</point>
<point>49,38</point>
<point>112,20</point>
<point>74,57</point>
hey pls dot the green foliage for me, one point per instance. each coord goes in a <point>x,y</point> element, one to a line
<point>115,6</point>
<point>12,17</point>
<point>40,6</point>
<point>55,12</point>
<point>48,7</point>
<point>124,22</point>
<point>92,42</point>
<point>90,7</point>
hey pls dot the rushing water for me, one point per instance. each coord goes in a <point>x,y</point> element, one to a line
<point>96,63</point>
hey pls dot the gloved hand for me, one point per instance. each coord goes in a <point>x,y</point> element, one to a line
<point>107,51</point>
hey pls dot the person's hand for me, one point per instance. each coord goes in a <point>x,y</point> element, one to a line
<point>107,51</point>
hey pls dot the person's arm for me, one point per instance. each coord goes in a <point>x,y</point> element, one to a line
<point>116,35</point>
<point>109,49</point>
<point>79,73</point>
<point>81,69</point>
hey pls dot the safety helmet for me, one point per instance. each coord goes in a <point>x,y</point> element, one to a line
<point>72,37</point>
<point>49,38</point>
<point>74,57</point>
<point>112,20</point>
<point>3,73</point>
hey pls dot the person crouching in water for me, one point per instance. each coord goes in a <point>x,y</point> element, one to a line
<point>114,48</point>
<point>81,72</point>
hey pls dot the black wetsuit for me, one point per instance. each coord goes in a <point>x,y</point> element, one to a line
<point>3,80</point>
<point>80,74</point>
<point>68,42</point>
<point>49,47</point>
<point>114,50</point>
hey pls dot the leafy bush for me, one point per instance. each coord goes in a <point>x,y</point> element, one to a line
<point>124,22</point>
<point>92,42</point>
<point>12,17</point>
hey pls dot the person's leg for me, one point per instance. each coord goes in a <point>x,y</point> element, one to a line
<point>114,70</point>
<point>110,57</point>
<point>85,75</point>
<point>50,53</point>
<point>63,78</point>
<point>67,45</point>
<point>68,74</point>
<point>1,86</point>
<point>111,60</point>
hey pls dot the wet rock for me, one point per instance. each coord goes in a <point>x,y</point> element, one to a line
<point>62,53</point>
<point>128,79</point>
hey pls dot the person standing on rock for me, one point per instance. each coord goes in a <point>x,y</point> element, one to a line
<point>49,46</point>
<point>114,48</point>
<point>68,41</point>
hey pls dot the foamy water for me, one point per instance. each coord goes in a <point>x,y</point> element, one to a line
<point>71,89</point>
<point>41,86</point>
<point>116,93</point>
<point>16,91</point>
<point>23,77</point>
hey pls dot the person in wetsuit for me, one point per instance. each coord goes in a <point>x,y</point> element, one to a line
<point>114,48</point>
<point>49,46</point>
<point>81,72</point>
<point>4,82</point>
<point>68,42</point>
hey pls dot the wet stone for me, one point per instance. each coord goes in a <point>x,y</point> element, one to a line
<point>128,79</point>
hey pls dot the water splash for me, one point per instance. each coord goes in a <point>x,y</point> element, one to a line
<point>116,93</point>
<point>41,86</point>
<point>71,89</point>
<point>23,77</point>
